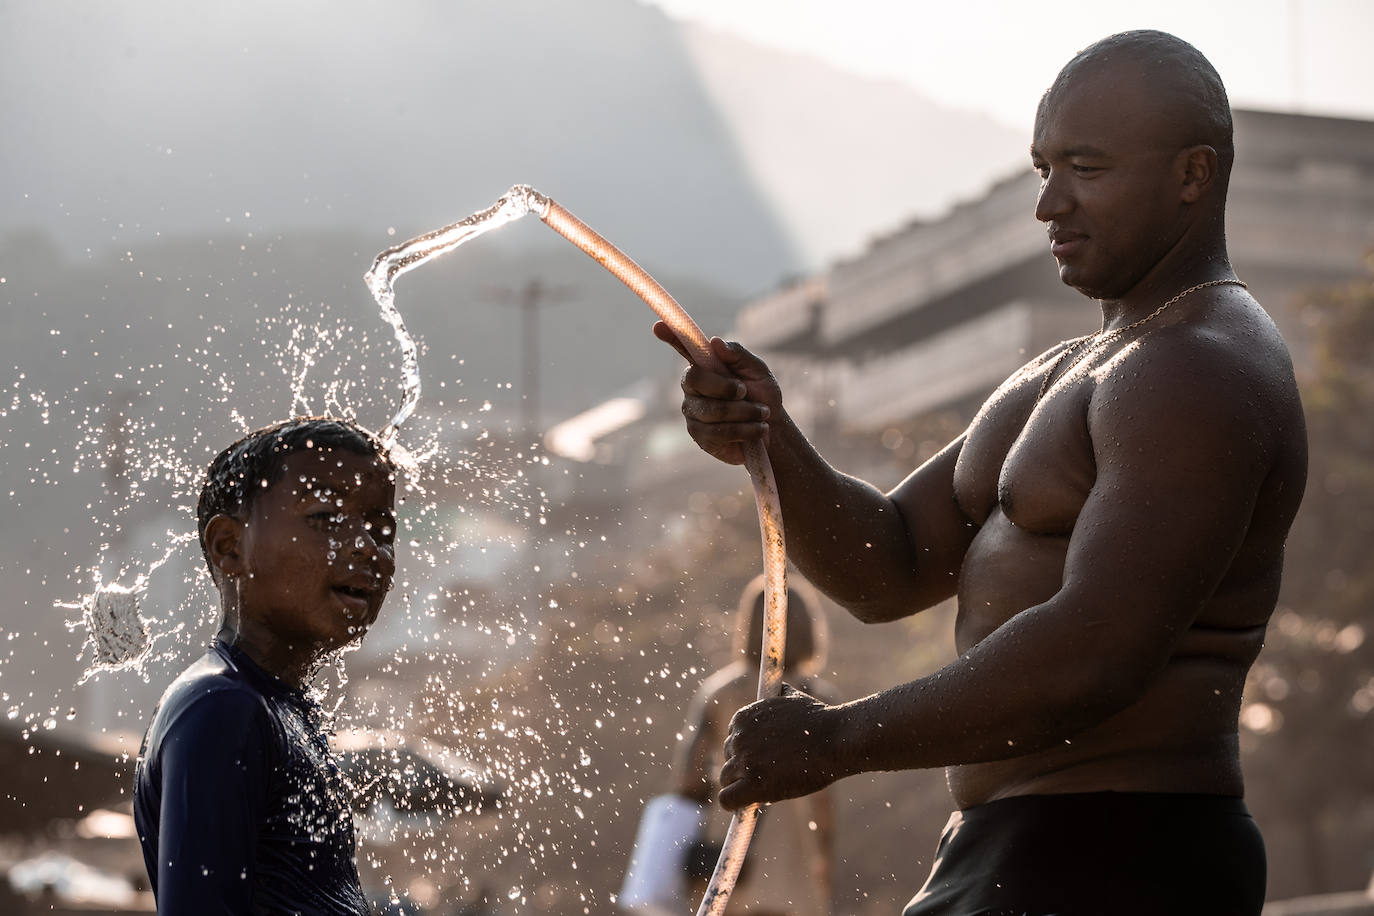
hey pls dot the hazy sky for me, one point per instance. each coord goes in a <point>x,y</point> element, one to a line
<point>997,56</point>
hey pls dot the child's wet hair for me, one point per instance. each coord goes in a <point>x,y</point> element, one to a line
<point>252,464</point>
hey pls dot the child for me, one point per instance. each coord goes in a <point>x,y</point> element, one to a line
<point>239,804</point>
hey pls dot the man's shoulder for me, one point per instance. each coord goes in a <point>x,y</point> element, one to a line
<point>1225,383</point>
<point>1236,355</point>
<point>1234,334</point>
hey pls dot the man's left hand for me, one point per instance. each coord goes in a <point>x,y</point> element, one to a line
<point>780,747</point>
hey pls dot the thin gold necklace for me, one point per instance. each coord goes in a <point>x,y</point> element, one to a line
<point>1092,340</point>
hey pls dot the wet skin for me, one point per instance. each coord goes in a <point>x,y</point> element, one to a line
<point>1115,547</point>
<point>306,570</point>
<point>1137,514</point>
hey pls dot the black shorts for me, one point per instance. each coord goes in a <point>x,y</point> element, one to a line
<point>1098,854</point>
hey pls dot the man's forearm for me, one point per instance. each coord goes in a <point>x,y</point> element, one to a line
<point>1023,689</point>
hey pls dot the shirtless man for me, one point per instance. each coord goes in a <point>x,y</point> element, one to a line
<point>1112,523</point>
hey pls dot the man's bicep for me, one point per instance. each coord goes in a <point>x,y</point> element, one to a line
<point>1177,481</point>
<point>214,783</point>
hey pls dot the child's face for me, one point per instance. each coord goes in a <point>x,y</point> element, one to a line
<point>318,549</point>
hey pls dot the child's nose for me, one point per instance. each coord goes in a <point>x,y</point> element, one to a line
<point>367,548</point>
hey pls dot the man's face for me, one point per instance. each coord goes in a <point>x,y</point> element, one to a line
<point>318,548</point>
<point>1110,171</point>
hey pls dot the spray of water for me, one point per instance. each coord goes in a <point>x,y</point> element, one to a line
<point>407,256</point>
<point>518,201</point>
<point>105,459</point>
<point>118,636</point>
<point>110,419</point>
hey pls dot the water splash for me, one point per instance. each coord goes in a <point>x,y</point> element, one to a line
<point>116,632</point>
<point>118,636</point>
<point>518,201</point>
<point>407,256</point>
<point>562,686</point>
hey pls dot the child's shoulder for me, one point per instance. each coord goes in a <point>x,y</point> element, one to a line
<point>731,679</point>
<point>726,690</point>
<point>212,689</point>
<point>211,721</point>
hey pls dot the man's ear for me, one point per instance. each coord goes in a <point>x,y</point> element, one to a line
<point>224,545</point>
<point>1199,168</point>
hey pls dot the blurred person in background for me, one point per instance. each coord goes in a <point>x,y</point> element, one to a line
<point>789,869</point>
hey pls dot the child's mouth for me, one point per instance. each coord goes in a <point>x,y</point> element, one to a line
<point>353,596</point>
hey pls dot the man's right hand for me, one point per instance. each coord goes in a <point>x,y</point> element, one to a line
<point>724,412</point>
<point>880,556</point>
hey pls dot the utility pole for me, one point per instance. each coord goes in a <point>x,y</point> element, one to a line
<point>530,298</point>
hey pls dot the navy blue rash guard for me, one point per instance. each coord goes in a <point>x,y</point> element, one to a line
<point>239,805</point>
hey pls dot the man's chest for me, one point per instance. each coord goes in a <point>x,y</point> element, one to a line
<point>1027,456</point>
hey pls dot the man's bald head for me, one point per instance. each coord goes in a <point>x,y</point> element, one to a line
<point>1186,94</point>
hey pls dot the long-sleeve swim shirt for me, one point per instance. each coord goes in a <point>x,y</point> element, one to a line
<point>240,806</point>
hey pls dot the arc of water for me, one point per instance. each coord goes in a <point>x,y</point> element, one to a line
<point>523,199</point>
